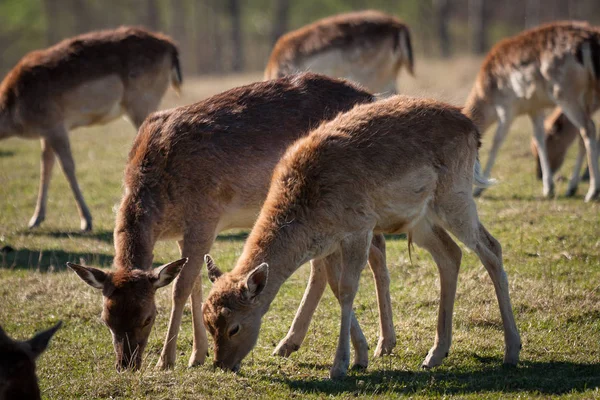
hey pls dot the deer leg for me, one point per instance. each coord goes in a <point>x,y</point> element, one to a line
<point>377,263</point>
<point>539,137</point>
<point>47,164</point>
<point>447,256</point>
<point>354,251</point>
<point>58,139</point>
<point>314,291</point>
<point>465,225</point>
<point>582,120</point>
<point>504,122</point>
<point>188,283</point>
<point>574,181</point>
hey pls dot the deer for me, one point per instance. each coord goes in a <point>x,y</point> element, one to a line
<point>560,134</point>
<point>552,65</point>
<point>17,364</point>
<point>86,80</point>
<point>367,47</point>
<point>398,165</point>
<point>195,171</point>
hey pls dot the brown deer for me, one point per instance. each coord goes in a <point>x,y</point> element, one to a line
<point>367,47</point>
<point>17,364</point>
<point>557,64</point>
<point>85,80</point>
<point>560,134</point>
<point>193,172</point>
<point>397,165</point>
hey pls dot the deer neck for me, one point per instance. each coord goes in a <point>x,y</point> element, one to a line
<point>134,237</point>
<point>479,109</point>
<point>285,247</point>
<point>7,126</point>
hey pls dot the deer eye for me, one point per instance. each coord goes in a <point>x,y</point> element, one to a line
<point>148,321</point>
<point>234,331</point>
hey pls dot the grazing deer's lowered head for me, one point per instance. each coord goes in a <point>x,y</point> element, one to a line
<point>129,309</point>
<point>17,364</point>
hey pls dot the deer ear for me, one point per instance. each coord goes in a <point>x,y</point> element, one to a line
<point>257,280</point>
<point>163,275</point>
<point>92,276</point>
<point>40,341</point>
<point>214,272</point>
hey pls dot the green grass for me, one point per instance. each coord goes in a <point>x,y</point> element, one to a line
<point>551,254</point>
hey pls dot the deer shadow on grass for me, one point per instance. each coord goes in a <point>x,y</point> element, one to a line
<point>101,235</point>
<point>6,153</point>
<point>546,378</point>
<point>49,260</point>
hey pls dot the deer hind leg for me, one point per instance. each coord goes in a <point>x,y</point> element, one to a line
<point>194,247</point>
<point>312,295</point>
<point>344,279</point>
<point>377,263</point>
<point>574,181</point>
<point>47,164</point>
<point>505,117</point>
<point>464,223</point>
<point>582,120</point>
<point>539,137</point>
<point>58,139</point>
<point>447,256</point>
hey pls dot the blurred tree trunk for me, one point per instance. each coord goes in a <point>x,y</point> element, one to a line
<point>52,11</point>
<point>208,43</point>
<point>478,21</point>
<point>280,25</point>
<point>81,15</point>
<point>532,13</point>
<point>152,15</point>
<point>178,28</point>
<point>442,15</point>
<point>237,62</point>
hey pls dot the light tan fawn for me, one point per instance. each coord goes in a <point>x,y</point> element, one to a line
<point>553,65</point>
<point>397,165</point>
<point>367,47</point>
<point>85,80</point>
<point>195,171</point>
<point>17,364</point>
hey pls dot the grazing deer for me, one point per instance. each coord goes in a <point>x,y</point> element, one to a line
<point>560,134</point>
<point>17,364</point>
<point>397,165</point>
<point>554,64</point>
<point>367,47</point>
<point>193,172</point>
<point>86,80</point>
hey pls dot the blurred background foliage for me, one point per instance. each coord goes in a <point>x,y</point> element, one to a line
<point>223,36</point>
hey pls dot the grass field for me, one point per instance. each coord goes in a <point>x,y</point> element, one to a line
<point>551,254</point>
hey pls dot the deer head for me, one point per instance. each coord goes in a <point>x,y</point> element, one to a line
<point>232,313</point>
<point>129,309</point>
<point>17,364</point>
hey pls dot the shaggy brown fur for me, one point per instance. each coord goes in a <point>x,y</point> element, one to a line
<point>197,170</point>
<point>554,64</point>
<point>17,365</point>
<point>363,32</point>
<point>85,80</point>
<point>398,165</point>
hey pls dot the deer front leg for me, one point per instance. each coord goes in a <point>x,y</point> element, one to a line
<point>314,291</point>
<point>539,137</point>
<point>47,164</point>
<point>187,282</point>
<point>59,141</point>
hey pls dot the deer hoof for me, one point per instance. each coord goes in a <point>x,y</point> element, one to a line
<point>35,221</point>
<point>384,347</point>
<point>571,192</point>
<point>592,194</point>
<point>285,349</point>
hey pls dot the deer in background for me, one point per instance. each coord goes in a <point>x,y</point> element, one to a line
<point>557,64</point>
<point>367,47</point>
<point>560,134</point>
<point>193,172</point>
<point>85,80</point>
<point>17,364</point>
<point>397,165</point>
